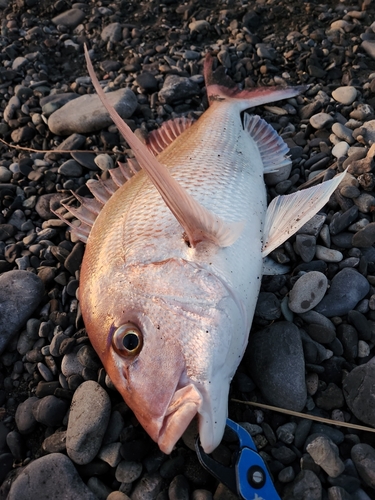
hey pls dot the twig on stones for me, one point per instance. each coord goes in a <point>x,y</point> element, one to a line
<point>329,421</point>
<point>15,146</point>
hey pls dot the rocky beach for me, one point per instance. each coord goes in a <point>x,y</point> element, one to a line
<point>65,432</point>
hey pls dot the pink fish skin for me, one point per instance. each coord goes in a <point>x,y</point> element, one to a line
<point>173,264</point>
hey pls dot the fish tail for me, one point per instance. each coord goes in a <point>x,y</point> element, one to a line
<point>220,87</point>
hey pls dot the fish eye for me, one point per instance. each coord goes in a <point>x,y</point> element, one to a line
<point>127,340</point>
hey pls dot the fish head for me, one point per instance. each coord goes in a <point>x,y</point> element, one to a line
<point>170,335</point>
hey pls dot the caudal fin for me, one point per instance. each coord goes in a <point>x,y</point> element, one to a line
<point>220,87</point>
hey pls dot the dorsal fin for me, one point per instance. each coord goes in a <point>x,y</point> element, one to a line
<point>102,190</point>
<point>271,146</point>
<point>161,138</point>
<point>220,86</point>
<point>198,223</point>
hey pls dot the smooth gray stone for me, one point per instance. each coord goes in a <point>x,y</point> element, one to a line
<point>87,114</point>
<point>20,294</point>
<point>90,412</point>
<point>276,362</point>
<point>53,476</point>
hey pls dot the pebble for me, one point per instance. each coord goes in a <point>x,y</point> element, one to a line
<point>340,149</point>
<point>364,237</point>
<point>328,254</point>
<point>49,411</point>
<point>326,454</point>
<point>128,472</point>
<point>70,18</point>
<point>88,419</point>
<point>58,476</point>
<point>112,33</point>
<point>276,363</point>
<point>24,417</point>
<point>70,168</point>
<point>20,294</point>
<point>347,288</point>
<point>321,120</point>
<point>307,291</point>
<point>148,487</point>
<point>358,388</point>
<point>343,133</point>
<point>345,95</point>
<point>363,456</point>
<point>176,88</point>
<point>87,114</point>
<point>305,246</point>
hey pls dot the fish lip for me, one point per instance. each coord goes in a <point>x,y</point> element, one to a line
<point>183,407</point>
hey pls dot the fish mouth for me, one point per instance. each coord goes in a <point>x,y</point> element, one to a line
<point>181,410</point>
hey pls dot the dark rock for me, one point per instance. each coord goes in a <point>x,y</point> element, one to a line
<point>275,359</point>
<point>348,287</point>
<point>58,476</point>
<point>359,393</point>
<point>20,294</point>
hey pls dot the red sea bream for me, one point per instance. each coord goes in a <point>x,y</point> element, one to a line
<point>174,259</point>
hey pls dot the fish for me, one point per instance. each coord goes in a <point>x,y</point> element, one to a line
<point>178,239</point>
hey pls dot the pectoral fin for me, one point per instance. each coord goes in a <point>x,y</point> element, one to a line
<point>286,214</point>
<point>198,223</point>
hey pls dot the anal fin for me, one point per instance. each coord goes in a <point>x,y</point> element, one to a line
<point>286,214</point>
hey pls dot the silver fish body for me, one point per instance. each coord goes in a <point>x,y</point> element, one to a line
<point>198,301</point>
<point>173,264</point>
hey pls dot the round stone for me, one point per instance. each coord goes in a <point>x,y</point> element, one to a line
<point>307,292</point>
<point>345,95</point>
<point>88,420</point>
